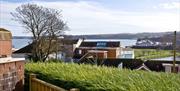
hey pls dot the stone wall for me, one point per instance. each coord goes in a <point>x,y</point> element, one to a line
<point>11,76</point>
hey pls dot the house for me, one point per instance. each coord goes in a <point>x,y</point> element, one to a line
<point>102,50</point>
<point>98,49</point>
<point>64,50</point>
<point>24,52</point>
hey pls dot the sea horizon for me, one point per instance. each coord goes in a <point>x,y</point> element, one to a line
<point>19,43</point>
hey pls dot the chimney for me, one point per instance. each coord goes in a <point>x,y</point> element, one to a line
<point>5,43</point>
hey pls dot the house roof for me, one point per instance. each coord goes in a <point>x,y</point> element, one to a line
<point>26,49</point>
<point>143,67</point>
<point>100,44</point>
<point>69,41</point>
<point>127,63</point>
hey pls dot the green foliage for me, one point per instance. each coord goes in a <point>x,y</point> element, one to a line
<point>152,53</point>
<point>54,60</point>
<point>88,77</point>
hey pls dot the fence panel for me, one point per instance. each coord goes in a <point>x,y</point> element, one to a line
<point>39,85</point>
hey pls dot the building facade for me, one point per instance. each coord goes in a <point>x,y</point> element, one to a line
<point>99,49</point>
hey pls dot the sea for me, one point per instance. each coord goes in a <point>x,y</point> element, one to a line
<point>19,43</point>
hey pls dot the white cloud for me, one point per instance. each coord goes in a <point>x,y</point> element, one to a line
<point>172,5</point>
<point>92,18</point>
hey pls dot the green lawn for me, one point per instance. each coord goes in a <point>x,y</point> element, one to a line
<point>152,53</point>
<point>93,78</point>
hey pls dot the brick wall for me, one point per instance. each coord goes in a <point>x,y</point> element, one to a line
<point>5,48</point>
<point>12,76</point>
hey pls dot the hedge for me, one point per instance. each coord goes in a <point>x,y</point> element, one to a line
<point>95,78</point>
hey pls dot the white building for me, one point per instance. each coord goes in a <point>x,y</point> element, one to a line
<point>127,53</point>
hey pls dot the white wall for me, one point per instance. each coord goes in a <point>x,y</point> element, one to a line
<point>127,54</point>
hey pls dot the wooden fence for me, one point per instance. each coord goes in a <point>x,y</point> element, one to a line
<point>39,85</point>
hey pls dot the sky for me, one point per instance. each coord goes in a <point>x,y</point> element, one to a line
<point>102,16</point>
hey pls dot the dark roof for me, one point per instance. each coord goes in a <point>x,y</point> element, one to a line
<point>156,65</point>
<point>26,49</point>
<point>69,41</point>
<point>101,44</point>
<point>153,65</point>
<point>127,63</point>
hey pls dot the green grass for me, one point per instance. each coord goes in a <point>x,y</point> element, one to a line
<point>88,77</point>
<point>152,53</point>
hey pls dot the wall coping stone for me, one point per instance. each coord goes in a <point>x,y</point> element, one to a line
<point>10,59</point>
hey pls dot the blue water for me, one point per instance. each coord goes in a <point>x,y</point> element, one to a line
<point>19,43</point>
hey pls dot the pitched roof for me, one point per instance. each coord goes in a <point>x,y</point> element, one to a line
<point>143,67</point>
<point>69,41</point>
<point>127,63</point>
<point>26,49</point>
<point>100,44</point>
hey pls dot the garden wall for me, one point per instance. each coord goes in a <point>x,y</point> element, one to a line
<point>11,74</point>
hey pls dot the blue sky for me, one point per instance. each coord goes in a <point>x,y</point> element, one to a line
<point>103,16</point>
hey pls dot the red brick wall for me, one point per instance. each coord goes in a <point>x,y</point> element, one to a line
<point>5,47</point>
<point>12,76</point>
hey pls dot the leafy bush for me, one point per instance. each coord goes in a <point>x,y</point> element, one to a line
<point>89,77</point>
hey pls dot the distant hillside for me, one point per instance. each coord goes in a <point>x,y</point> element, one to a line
<point>156,36</point>
<point>120,36</point>
<point>168,37</point>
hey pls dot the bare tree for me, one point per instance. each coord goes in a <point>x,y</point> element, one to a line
<point>44,24</point>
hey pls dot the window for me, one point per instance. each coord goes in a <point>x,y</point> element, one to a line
<point>101,44</point>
